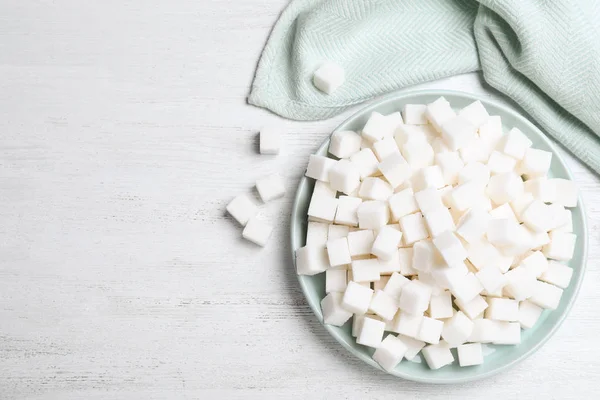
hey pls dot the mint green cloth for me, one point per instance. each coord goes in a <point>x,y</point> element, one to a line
<point>545,55</point>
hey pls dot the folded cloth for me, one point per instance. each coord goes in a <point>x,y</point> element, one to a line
<point>545,55</point>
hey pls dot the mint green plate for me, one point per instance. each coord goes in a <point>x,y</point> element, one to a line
<point>502,357</point>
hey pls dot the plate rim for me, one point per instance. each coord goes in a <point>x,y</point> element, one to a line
<point>315,306</point>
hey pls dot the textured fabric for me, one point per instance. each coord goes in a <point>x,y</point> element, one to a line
<point>545,55</point>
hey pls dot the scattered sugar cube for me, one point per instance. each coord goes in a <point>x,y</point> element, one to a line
<point>568,225</point>
<point>502,309</point>
<point>529,313</point>
<point>475,113</point>
<point>371,332</point>
<point>445,276</point>
<point>541,189</point>
<point>444,194</point>
<point>558,216</point>
<point>269,141</point>
<point>242,208</point>
<point>406,255</point>
<point>439,146</point>
<point>425,256</point>
<point>503,211</point>
<point>458,133</point>
<point>491,278</point>
<point>561,246</point>
<point>336,280</point>
<point>402,203</point>
<point>439,221</point>
<point>414,298</point>
<point>506,187</point>
<point>450,248</point>
<point>470,354</point>
<point>466,288</point>
<point>375,189</point>
<point>557,274</point>
<point>520,204</point>
<point>318,167</point>
<point>372,214</point>
<point>451,164</point>
<point>378,127</point>
<point>474,307</point>
<point>311,260</point>
<point>322,209</point>
<point>515,144</point>
<point>504,232</point>
<point>365,270</point>
<point>430,330</point>
<point>270,187</point>
<point>484,331</point>
<point>474,172</point>
<point>357,298</point>
<point>537,216</point>
<point>394,285</point>
<point>390,352</point>
<point>385,147</point>
<point>428,177</point>
<point>482,254</point>
<point>360,242</point>
<point>328,77</point>
<point>407,324</point>
<point>439,112</point>
<point>395,169</point>
<point>457,329</point>
<point>500,163</point>
<point>383,305</point>
<point>386,243</point>
<point>343,144</point>
<point>333,312</point>
<point>344,176</point>
<point>535,163</point>
<point>387,267</point>
<point>473,225</point>
<point>323,189</point>
<point>418,153</point>
<point>408,133</point>
<point>429,199</point>
<point>536,263</point>
<point>465,195</point>
<point>414,114</point>
<point>491,130</point>
<point>477,151</point>
<point>508,333</point>
<point>337,231</point>
<point>413,228</point>
<point>256,231</point>
<point>316,234</point>
<point>366,162</point>
<point>338,252</point>
<point>414,346</point>
<point>520,283</point>
<point>346,210</point>
<point>546,296</point>
<point>437,355</point>
<point>440,306</point>
<point>566,192</point>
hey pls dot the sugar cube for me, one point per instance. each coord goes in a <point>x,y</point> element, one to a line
<point>430,330</point>
<point>561,246</point>
<point>439,112</point>
<point>257,231</point>
<point>521,203</point>
<point>508,333</point>
<point>566,192</point>
<point>428,177</point>
<point>414,346</point>
<point>269,140</point>
<point>378,127</point>
<point>500,163</point>
<point>491,278</point>
<point>557,274</point>
<point>394,285</point>
<point>473,225</point>
<point>440,306</point>
<point>414,114</point>
<point>537,216</point>
<point>536,263</point>
<point>384,305</point>
<point>395,169</point>
<point>375,189</point>
<point>502,309</point>
<point>439,146</point>
<point>336,280</point>
<point>425,256</point>
<point>270,187</point>
<point>328,77</point>
<point>338,251</point>
<point>491,130</point>
<point>386,243</point>
<point>546,295</point>
<point>242,208</point>
<point>429,199</point>
<point>529,313</point>
<point>390,352</point>
<point>418,153</point>
<point>344,176</point>
<point>387,267</point>
<point>467,288</point>
<point>506,187</point>
<point>515,144</point>
<point>503,211</point>
<point>311,260</point>
<point>337,231</point>
<point>319,167</point>
<point>366,162</point>
<point>406,255</point>
<point>484,331</point>
<point>402,203</point>
<point>450,248</point>
<point>457,329</point>
<point>316,233</point>
<point>504,232</point>
<point>372,214</point>
<point>360,242</point>
<point>371,332</point>
<point>413,228</point>
<point>357,298</point>
<point>470,354</point>
<point>407,324</point>
<point>365,270</point>
<point>535,163</point>
<point>475,113</point>
<point>439,221</point>
<point>541,189</point>
<point>346,210</point>
<point>437,355</point>
<point>458,133</point>
<point>414,298</point>
<point>465,195</point>
<point>472,308</point>
<point>343,144</point>
<point>520,283</point>
<point>385,147</point>
<point>333,312</point>
<point>322,209</point>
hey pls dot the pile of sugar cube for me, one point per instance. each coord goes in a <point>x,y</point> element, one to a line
<point>440,228</point>
<point>244,209</point>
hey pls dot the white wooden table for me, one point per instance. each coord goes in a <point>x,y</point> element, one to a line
<point>124,132</point>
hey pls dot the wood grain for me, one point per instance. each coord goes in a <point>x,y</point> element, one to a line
<point>125,132</point>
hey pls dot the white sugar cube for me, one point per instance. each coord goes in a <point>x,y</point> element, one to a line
<point>439,221</point>
<point>515,144</point>
<point>413,228</point>
<point>503,211</point>
<point>328,77</point>
<point>344,176</point>
<point>477,151</point>
<point>375,189</point>
<point>558,216</point>
<point>491,130</point>
<point>371,332</point>
<point>535,163</point>
<point>395,169</point>
<point>357,321</point>
<point>529,314</point>
<point>414,298</point>
<point>385,147</point>
<point>429,199</point>
<point>365,270</point>
<point>500,163</point>
<point>409,133</point>
<point>465,195</point>
<point>473,225</point>
<point>323,189</point>
<point>537,216</point>
<point>536,263</point>
<point>270,187</point>
<point>444,194</point>
<point>257,231</point>
<point>437,355</point>
<point>336,280</point>
<point>338,252</point>
<point>568,225</point>
<point>407,324</point>
<point>520,204</point>
<point>520,283</point>
<point>502,309</point>
<point>378,127</point>
<point>390,352</point>
<point>394,285</point>
<point>506,187</point>
<point>344,143</point>
<point>395,120</point>
<point>504,232</point>
<point>242,208</point>
<point>484,331</point>
<point>470,354</point>
<point>440,306</point>
<point>508,333</point>
<point>381,283</point>
<point>475,113</point>
<point>402,203</point>
<point>428,177</point>
<point>566,192</point>
<point>333,312</point>
<point>482,254</point>
<point>360,242</point>
<point>428,279</point>
<point>383,305</point>
<point>337,231</point>
<point>458,133</point>
<point>269,141</point>
<point>445,276</point>
<point>346,210</point>
<point>491,278</point>
<point>372,214</point>
<point>425,256</point>
<point>386,243</point>
<point>414,346</point>
<point>474,172</point>
<point>418,153</point>
<point>467,288</point>
<point>457,329</point>
<point>450,248</point>
<point>557,274</point>
<point>357,298</point>
<point>439,112</point>
<point>316,234</point>
<point>322,209</point>
<point>451,164</point>
<point>414,114</point>
<point>561,246</point>
<point>318,167</point>
<point>439,146</point>
<point>311,260</point>
<point>366,162</point>
<point>430,330</point>
<point>541,189</point>
<point>387,267</point>
<point>546,296</point>
<point>472,308</point>
<point>406,255</point>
